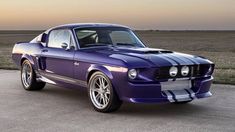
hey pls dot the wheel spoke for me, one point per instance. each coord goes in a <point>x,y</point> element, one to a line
<point>28,72</point>
<point>96,90</point>
<point>28,80</point>
<point>102,82</point>
<point>107,90</point>
<point>106,95</point>
<point>105,87</point>
<point>96,83</point>
<point>100,100</point>
<point>106,100</point>
<point>103,99</point>
<point>97,96</point>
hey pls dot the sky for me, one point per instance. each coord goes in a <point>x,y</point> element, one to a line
<point>138,14</point>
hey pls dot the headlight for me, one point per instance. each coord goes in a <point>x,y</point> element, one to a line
<point>184,70</point>
<point>132,74</point>
<point>209,72</point>
<point>173,71</point>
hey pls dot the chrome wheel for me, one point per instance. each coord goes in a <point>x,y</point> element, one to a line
<point>28,77</point>
<point>26,74</point>
<point>100,92</point>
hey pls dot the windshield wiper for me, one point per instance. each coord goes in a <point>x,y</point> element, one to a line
<point>90,45</point>
<point>125,44</point>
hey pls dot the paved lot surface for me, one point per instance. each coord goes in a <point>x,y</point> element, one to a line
<point>58,109</point>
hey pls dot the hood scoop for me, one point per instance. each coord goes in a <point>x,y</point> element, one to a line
<point>157,51</point>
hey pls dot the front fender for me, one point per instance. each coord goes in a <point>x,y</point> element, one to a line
<point>115,74</point>
<point>100,68</point>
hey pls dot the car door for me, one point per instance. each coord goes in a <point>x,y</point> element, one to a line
<point>58,56</point>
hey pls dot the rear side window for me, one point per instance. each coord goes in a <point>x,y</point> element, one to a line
<point>57,37</point>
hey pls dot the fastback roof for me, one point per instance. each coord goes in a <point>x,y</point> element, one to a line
<point>77,25</point>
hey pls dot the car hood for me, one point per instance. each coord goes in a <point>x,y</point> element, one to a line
<point>150,57</point>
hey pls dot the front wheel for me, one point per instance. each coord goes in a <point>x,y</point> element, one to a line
<point>28,77</point>
<point>101,93</point>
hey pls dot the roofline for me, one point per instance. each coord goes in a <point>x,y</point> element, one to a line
<point>81,25</point>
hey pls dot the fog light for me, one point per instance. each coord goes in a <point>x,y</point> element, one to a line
<point>132,74</point>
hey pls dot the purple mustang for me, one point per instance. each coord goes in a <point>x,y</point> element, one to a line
<point>113,65</point>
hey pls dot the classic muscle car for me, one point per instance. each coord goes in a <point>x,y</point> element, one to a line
<point>113,65</point>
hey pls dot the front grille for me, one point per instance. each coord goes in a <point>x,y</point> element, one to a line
<point>194,71</point>
<point>176,85</point>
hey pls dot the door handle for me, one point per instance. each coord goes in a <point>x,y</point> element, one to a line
<point>44,50</point>
<point>76,63</point>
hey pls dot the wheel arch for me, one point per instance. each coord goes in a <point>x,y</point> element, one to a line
<point>29,58</point>
<point>95,68</point>
<point>100,68</point>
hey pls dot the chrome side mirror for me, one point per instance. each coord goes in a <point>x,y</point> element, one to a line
<point>64,46</point>
<point>42,38</point>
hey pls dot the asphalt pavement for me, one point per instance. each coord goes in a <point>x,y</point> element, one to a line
<point>59,109</point>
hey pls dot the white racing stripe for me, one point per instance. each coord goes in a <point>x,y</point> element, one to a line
<point>173,63</point>
<point>169,96</point>
<point>192,94</point>
<point>181,95</point>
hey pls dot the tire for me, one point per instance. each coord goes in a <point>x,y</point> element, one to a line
<point>28,77</point>
<point>102,94</point>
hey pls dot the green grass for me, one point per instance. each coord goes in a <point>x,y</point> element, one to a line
<point>225,76</point>
<point>7,41</point>
<point>5,59</point>
<point>218,46</point>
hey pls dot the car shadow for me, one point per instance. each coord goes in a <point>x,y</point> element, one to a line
<point>80,98</point>
<point>168,109</point>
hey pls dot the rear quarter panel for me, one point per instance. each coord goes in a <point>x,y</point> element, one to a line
<point>28,51</point>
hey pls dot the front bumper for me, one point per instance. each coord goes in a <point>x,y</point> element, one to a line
<point>152,93</point>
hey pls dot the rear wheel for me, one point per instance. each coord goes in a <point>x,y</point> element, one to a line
<point>101,93</point>
<point>28,77</point>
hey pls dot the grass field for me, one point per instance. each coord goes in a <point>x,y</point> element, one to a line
<point>218,46</point>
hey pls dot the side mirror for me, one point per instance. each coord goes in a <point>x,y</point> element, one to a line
<point>42,38</point>
<point>64,46</point>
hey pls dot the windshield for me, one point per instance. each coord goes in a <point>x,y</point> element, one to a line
<point>106,36</point>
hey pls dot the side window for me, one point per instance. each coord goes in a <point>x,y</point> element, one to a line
<point>57,37</point>
<point>86,37</point>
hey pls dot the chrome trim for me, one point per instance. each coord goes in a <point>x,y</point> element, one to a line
<point>180,79</point>
<point>76,63</point>
<point>176,85</point>
<point>45,76</point>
